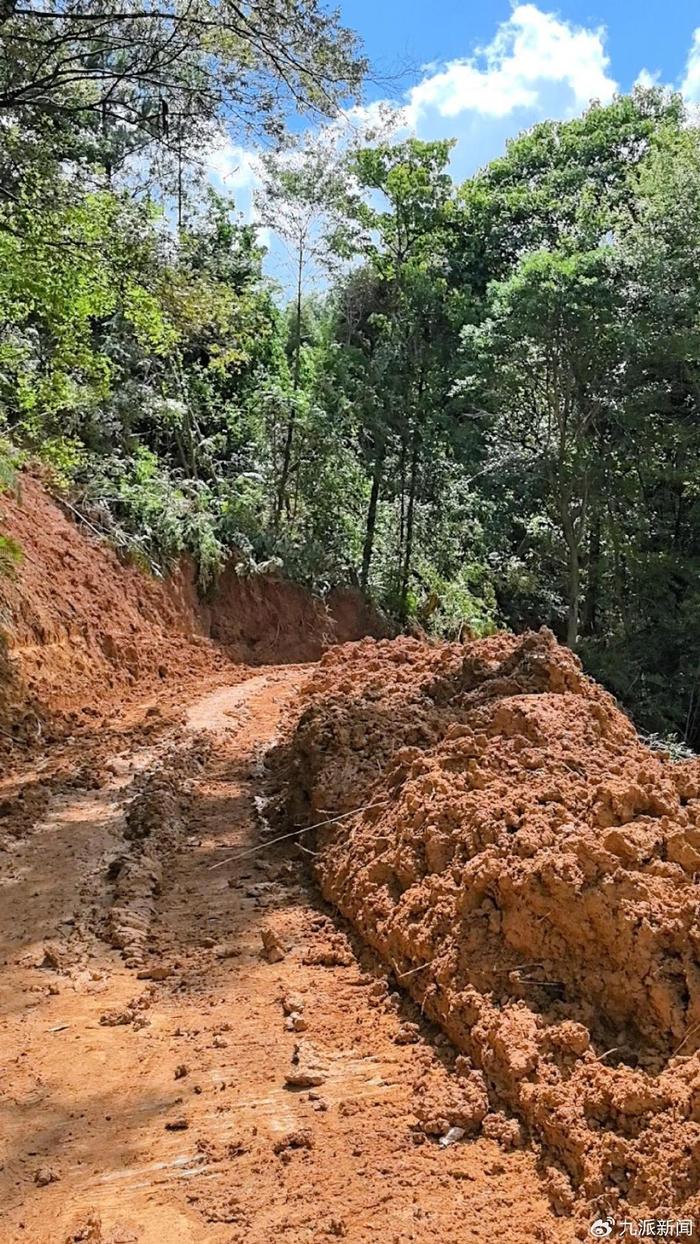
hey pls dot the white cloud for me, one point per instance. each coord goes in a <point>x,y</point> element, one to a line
<point>647,79</point>
<point>529,50</point>
<point>237,171</point>
<point>691,82</point>
<point>235,167</point>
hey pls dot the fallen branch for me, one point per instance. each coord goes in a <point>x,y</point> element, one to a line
<point>402,975</point>
<point>294,833</point>
<point>690,1033</point>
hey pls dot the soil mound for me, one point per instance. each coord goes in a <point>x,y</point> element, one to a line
<point>528,869</point>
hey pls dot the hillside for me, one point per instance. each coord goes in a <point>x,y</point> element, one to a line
<point>82,632</point>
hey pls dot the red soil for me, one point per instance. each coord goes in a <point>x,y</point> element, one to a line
<point>81,632</point>
<point>528,870</point>
<point>265,619</point>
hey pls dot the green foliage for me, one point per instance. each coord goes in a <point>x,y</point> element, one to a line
<point>10,550</point>
<point>490,416</point>
<point>10,554</point>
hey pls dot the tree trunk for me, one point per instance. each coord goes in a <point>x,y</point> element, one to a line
<point>284,472</point>
<point>296,374</point>
<point>574,594</point>
<point>179,185</point>
<point>297,336</point>
<point>372,516</point>
<point>590,606</point>
<point>408,547</point>
<point>574,577</point>
<point>402,510</point>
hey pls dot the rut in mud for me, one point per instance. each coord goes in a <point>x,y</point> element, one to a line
<point>193,1048</point>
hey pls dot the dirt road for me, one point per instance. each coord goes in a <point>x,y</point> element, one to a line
<point>148,1089</point>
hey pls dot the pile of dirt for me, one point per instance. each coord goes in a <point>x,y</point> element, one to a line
<point>528,869</point>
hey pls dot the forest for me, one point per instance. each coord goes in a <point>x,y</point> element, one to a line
<point>483,415</point>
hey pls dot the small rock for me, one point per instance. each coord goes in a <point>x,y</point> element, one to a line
<point>273,947</point>
<point>300,1139</point>
<point>45,1175</point>
<point>309,1067</point>
<point>180,1124</point>
<point>111,1019</point>
<point>328,956</point>
<point>159,973</point>
<point>292,1003</point>
<point>227,952</point>
<point>295,1023</point>
<point>408,1034</point>
<point>181,1071</point>
<point>53,957</point>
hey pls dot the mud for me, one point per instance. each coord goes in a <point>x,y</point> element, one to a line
<point>155,827</point>
<point>155,1103</point>
<point>491,824</point>
<point>263,619</point>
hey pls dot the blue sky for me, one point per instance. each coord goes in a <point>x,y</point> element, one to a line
<point>481,73</point>
<point>639,32</point>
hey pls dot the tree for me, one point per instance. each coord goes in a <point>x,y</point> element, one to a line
<point>402,215</point>
<point>550,347</point>
<point>301,199</point>
<point>129,76</point>
<point>561,181</point>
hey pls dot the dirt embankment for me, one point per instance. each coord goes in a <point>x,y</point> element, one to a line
<point>261,619</point>
<point>80,631</point>
<point>528,869</point>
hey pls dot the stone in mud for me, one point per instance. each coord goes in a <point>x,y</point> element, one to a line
<point>159,972</point>
<point>301,1138</point>
<point>292,1003</point>
<point>309,1068</point>
<point>116,1018</point>
<point>273,947</point>
<point>45,1175</point>
<point>295,1023</point>
<point>227,951</point>
<point>53,957</point>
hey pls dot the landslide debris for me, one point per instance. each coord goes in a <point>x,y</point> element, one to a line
<point>529,871</point>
